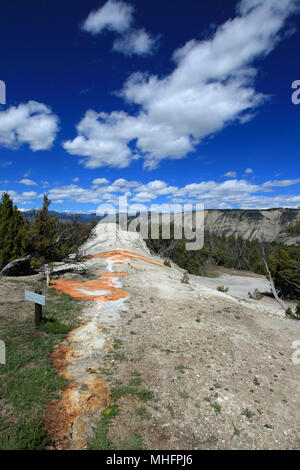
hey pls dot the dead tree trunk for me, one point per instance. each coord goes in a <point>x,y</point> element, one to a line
<point>18,267</point>
<point>272,285</point>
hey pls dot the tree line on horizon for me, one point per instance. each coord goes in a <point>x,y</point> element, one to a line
<point>46,239</point>
<point>237,253</point>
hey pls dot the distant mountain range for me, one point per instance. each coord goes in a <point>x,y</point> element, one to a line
<point>267,224</point>
<point>65,217</point>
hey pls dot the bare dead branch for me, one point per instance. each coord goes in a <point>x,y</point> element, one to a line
<point>272,285</point>
<point>293,284</point>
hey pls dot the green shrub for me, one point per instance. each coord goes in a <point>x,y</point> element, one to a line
<point>255,295</point>
<point>293,315</point>
<point>223,289</point>
<point>185,279</point>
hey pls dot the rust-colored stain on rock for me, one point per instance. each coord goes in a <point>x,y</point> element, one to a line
<point>62,356</point>
<point>121,255</point>
<point>67,419</point>
<point>72,288</point>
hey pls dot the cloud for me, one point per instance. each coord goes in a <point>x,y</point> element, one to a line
<point>99,181</point>
<point>23,198</point>
<point>99,143</point>
<point>137,42</point>
<point>228,194</point>
<point>29,123</point>
<point>282,183</point>
<point>113,16</point>
<point>248,171</point>
<point>230,174</point>
<point>75,180</point>
<point>211,86</point>
<point>233,193</point>
<point>28,182</point>
<point>5,163</point>
<point>30,194</point>
<point>117,16</point>
<point>152,190</point>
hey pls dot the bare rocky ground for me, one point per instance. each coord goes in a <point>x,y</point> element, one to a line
<point>221,372</point>
<point>220,367</point>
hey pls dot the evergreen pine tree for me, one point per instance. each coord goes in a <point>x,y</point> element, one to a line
<point>40,241</point>
<point>11,226</point>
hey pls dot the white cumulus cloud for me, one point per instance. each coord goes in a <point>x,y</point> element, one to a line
<point>117,16</point>
<point>230,174</point>
<point>212,85</point>
<point>233,193</point>
<point>99,181</point>
<point>281,183</point>
<point>28,182</point>
<point>31,123</point>
<point>113,15</point>
<point>135,42</point>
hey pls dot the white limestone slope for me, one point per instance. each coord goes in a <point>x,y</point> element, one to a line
<point>109,236</point>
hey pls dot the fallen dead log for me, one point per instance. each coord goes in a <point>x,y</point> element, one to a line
<point>18,267</point>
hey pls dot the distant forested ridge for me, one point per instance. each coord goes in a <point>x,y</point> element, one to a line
<point>50,236</point>
<point>238,253</point>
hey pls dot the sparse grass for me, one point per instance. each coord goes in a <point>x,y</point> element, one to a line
<point>117,344</point>
<point>236,431</point>
<point>212,440</point>
<point>101,440</point>
<point>28,381</point>
<point>248,413</point>
<point>143,413</point>
<point>143,395</point>
<point>216,407</point>
<point>135,381</point>
<point>184,395</point>
<point>135,373</point>
<point>180,368</point>
<point>171,410</point>
<point>119,356</point>
<point>134,442</point>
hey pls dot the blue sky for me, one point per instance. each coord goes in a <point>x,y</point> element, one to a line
<point>166,102</point>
